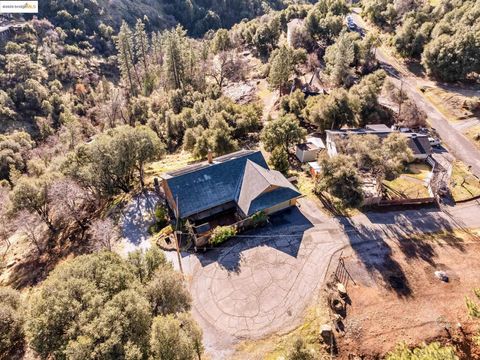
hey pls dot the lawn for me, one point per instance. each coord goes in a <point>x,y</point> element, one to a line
<point>464,185</point>
<point>412,183</point>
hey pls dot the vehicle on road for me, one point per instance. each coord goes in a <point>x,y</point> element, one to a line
<point>434,141</point>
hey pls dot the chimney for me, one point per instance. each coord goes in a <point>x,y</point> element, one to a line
<point>210,156</point>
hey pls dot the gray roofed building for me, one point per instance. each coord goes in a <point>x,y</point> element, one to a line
<point>241,181</point>
<point>419,143</point>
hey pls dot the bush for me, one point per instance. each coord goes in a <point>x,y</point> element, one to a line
<point>221,234</point>
<point>259,219</point>
<point>11,323</point>
<point>161,220</point>
<point>424,352</point>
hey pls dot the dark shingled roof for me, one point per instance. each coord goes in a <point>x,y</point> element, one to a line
<point>242,177</point>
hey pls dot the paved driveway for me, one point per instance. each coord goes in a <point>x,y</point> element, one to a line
<point>261,283</point>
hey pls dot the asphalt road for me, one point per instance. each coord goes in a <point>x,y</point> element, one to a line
<point>453,139</point>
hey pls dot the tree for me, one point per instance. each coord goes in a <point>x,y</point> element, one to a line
<point>104,234</point>
<point>425,352</point>
<point>146,263</point>
<point>339,57</point>
<point>174,43</point>
<point>340,178</point>
<point>11,323</point>
<point>126,51</point>
<point>331,111</point>
<point>6,226</point>
<point>227,66</point>
<point>141,45</point>
<point>14,152</point>
<point>172,339</point>
<point>110,163</point>
<point>221,41</point>
<point>90,307</point>
<point>282,65</point>
<point>280,68</point>
<point>167,293</point>
<point>452,58</point>
<point>364,97</point>
<point>30,226</point>
<point>279,160</point>
<point>283,132</point>
<point>32,195</point>
<point>70,200</point>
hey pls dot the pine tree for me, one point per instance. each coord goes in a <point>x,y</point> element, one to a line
<point>141,45</point>
<point>125,50</point>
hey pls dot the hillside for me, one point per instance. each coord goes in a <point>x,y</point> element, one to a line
<point>197,16</point>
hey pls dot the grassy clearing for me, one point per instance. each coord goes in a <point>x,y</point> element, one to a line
<point>412,184</point>
<point>474,135</point>
<point>170,162</point>
<point>464,185</point>
<point>449,104</point>
<point>305,184</point>
<point>277,346</point>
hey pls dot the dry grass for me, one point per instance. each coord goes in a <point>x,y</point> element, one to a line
<point>277,346</point>
<point>449,104</point>
<point>464,185</point>
<point>170,162</point>
<point>474,135</point>
<point>412,184</point>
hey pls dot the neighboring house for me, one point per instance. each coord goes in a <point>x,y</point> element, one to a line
<point>292,27</point>
<point>308,151</point>
<point>419,143</point>
<point>236,186</point>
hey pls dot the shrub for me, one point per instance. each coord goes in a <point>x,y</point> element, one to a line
<point>161,220</point>
<point>424,352</point>
<point>11,322</point>
<point>259,219</point>
<point>221,234</point>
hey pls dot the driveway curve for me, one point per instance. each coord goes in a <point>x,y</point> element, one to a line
<point>261,283</point>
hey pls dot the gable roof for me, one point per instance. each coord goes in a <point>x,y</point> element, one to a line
<point>241,177</point>
<point>261,188</point>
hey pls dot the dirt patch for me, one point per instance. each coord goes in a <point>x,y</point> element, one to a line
<point>399,298</point>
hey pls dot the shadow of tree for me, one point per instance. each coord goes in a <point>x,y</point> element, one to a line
<point>416,234</point>
<point>284,232</point>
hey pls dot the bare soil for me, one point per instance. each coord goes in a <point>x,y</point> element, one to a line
<point>398,298</point>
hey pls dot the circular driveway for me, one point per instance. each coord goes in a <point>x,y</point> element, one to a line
<point>262,283</point>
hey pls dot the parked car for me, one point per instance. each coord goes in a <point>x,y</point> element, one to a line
<point>434,141</point>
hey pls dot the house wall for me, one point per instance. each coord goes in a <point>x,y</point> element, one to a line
<point>280,207</point>
<point>307,155</point>
<point>169,196</point>
<point>331,146</point>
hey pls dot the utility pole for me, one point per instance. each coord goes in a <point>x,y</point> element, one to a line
<point>177,239</point>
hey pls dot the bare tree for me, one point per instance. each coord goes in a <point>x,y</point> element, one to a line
<point>70,201</point>
<point>412,116</point>
<point>104,234</point>
<point>32,227</point>
<point>6,226</point>
<point>226,66</point>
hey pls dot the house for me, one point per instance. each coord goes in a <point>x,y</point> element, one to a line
<point>308,151</point>
<point>292,27</point>
<point>228,188</point>
<point>419,143</point>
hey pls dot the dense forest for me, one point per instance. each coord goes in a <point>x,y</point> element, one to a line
<point>445,37</point>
